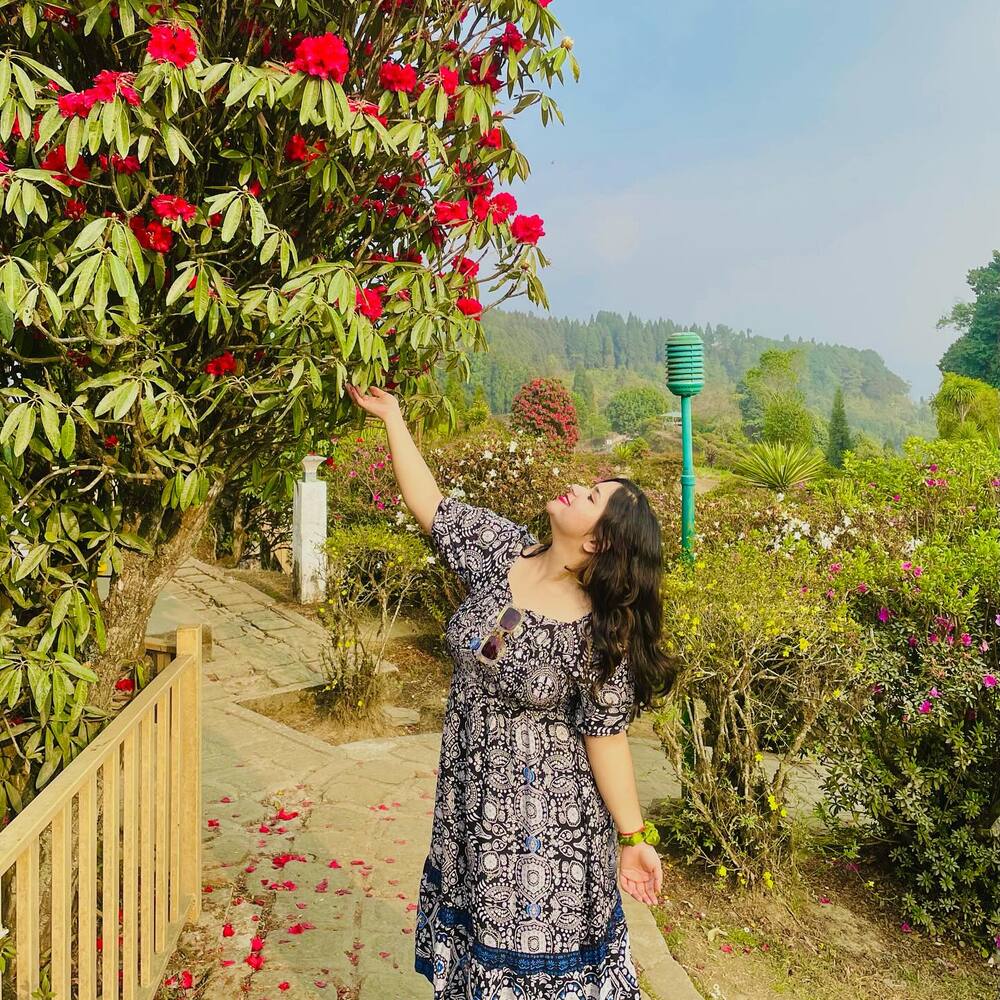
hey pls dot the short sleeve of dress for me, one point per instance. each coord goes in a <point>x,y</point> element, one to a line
<point>471,539</point>
<point>611,711</point>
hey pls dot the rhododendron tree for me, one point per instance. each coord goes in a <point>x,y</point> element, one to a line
<point>213,218</point>
<point>545,406</point>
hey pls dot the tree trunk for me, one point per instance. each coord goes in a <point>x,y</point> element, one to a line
<point>133,594</point>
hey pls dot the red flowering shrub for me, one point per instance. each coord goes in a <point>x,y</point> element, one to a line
<point>200,288</point>
<point>545,406</point>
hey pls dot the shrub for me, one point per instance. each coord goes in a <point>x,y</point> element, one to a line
<point>759,651</point>
<point>371,571</point>
<point>628,409</point>
<point>544,406</point>
<point>913,753</point>
<point>779,465</point>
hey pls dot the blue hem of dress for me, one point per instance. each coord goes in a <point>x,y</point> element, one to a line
<point>523,963</point>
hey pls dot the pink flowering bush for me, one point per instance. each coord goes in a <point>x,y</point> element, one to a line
<point>913,748</point>
<point>545,406</point>
<point>210,224</point>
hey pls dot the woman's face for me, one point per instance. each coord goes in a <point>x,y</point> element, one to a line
<point>577,511</point>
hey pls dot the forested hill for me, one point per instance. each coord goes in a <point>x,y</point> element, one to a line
<point>621,351</point>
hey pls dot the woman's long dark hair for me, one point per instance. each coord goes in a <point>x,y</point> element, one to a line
<point>623,579</point>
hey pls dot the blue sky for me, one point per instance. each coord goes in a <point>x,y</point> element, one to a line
<point>816,170</point>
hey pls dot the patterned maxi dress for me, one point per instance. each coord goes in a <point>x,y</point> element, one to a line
<point>519,896</point>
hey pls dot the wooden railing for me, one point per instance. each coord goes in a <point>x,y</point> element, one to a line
<point>141,776</point>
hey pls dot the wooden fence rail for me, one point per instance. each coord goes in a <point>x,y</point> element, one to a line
<point>121,889</point>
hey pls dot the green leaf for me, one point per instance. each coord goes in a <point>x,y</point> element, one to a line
<point>4,79</point>
<point>74,142</point>
<point>179,285</point>
<point>31,561</point>
<point>120,275</point>
<point>129,394</point>
<point>89,235</point>
<point>258,222</point>
<point>85,275</point>
<point>25,430</point>
<point>102,281</point>
<point>231,220</point>
<point>24,85</point>
<point>61,607</point>
<point>137,542</point>
<point>310,95</point>
<point>13,421</point>
<point>50,424</point>
<point>67,437</point>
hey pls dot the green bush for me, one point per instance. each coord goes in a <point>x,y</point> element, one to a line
<point>372,570</point>
<point>913,751</point>
<point>759,651</point>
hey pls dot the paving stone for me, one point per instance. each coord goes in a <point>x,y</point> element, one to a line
<point>401,716</point>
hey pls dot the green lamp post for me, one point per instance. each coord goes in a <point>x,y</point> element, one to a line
<point>686,378</point>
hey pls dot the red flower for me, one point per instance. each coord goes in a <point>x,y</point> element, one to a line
<point>297,150</point>
<point>214,219</point>
<point>256,943</point>
<point>153,235</point>
<point>527,228</point>
<point>503,206</point>
<point>110,441</point>
<point>512,38</point>
<point>224,364</point>
<point>466,267</point>
<point>123,164</point>
<point>255,961</point>
<point>76,104</point>
<point>108,84</point>
<point>75,209</point>
<point>324,56</point>
<point>172,206</point>
<point>446,212</point>
<point>55,160</point>
<point>254,188</point>
<point>470,307</point>
<point>449,80</point>
<point>125,684</point>
<point>187,980</point>
<point>397,78</point>
<point>4,165</point>
<point>493,139</point>
<point>172,45</point>
<point>227,930</point>
<point>481,208</point>
<point>369,303</point>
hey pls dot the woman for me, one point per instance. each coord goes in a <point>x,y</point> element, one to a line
<point>555,647</point>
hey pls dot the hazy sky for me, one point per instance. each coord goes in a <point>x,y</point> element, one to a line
<point>803,168</point>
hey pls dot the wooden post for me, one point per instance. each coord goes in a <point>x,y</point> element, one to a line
<point>189,644</point>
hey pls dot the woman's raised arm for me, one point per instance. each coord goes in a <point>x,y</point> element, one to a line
<point>416,482</point>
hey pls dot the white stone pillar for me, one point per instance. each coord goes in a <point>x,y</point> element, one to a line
<point>309,534</point>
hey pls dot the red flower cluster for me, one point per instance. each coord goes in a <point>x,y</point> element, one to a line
<point>55,160</point>
<point>470,307</point>
<point>59,15</point>
<point>172,45</point>
<point>172,206</point>
<point>465,267</point>
<point>545,406</point>
<point>451,212</point>
<point>449,80</point>
<point>151,235</point>
<point>122,164</point>
<point>366,108</point>
<point>75,209</point>
<point>224,364</point>
<point>491,79</point>
<point>493,139</point>
<point>324,56</point>
<point>111,441</point>
<point>298,151</point>
<point>368,301</point>
<point>527,228</point>
<point>500,207</point>
<point>476,182</point>
<point>397,78</point>
<point>511,38</point>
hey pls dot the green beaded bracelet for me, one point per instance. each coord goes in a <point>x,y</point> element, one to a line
<point>647,835</point>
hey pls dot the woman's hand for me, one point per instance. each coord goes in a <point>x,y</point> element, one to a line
<point>375,401</point>
<point>640,872</point>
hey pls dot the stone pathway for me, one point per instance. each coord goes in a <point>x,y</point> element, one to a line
<point>316,850</point>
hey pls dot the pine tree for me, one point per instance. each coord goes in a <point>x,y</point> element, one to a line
<point>839,433</point>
